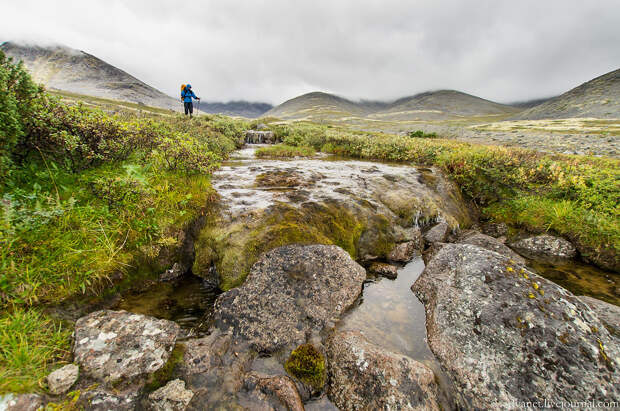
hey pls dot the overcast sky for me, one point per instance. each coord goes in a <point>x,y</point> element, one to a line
<point>274,50</point>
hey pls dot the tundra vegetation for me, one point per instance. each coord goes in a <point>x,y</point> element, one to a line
<point>89,199</point>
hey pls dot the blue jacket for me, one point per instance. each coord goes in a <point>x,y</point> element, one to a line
<point>187,95</point>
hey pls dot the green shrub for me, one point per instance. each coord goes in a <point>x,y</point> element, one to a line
<point>18,100</point>
<point>422,134</point>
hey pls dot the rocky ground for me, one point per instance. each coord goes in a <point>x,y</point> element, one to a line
<point>599,144</point>
<point>502,334</point>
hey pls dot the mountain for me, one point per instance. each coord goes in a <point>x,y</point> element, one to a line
<point>319,105</point>
<point>63,68</point>
<point>529,103</point>
<point>236,108</point>
<point>442,104</point>
<point>598,98</point>
<point>67,69</point>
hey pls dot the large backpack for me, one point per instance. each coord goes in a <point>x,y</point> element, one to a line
<point>182,91</point>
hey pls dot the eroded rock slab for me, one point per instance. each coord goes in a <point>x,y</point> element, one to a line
<point>365,376</point>
<point>115,345</point>
<point>546,246</point>
<point>504,334</point>
<point>291,292</point>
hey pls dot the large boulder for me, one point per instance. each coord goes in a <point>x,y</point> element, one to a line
<point>365,376</point>
<point>490,243</point>
<point>290,293</point>
<point>545,246</point>
<point>118,345</point>
<point>506,335</point>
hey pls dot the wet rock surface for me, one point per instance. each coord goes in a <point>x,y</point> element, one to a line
<point>545,246</point>
<point>291,292</point>
<point>260,137</point>
<point>364,207</point>
<point>505,334</point>
<point>115,345</point>
<point>60,380</point>
<point>171,397</point>
<point>365,376</point>
<point>490,243</point>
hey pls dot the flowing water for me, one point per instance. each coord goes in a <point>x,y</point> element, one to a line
<point>387,312</point>
<point>187,301</point>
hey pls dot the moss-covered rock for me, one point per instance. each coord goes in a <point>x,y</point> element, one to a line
<point>233,247</point>
<point>307,364</point>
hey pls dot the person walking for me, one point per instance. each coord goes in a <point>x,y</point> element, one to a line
<point>186,95</point>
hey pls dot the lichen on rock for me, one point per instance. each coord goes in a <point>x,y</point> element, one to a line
<point>505,334</point>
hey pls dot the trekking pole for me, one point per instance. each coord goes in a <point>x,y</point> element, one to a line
<point>198,107</point>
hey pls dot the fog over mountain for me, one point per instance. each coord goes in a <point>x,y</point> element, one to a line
<point>273,51</point>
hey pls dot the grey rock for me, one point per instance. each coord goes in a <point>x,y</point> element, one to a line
<point>60,380</point>
<point>490,243</point>
<point>609,314</point>
<point>502,333</point>
<point>383,269</point>
<point>437,234</point>
<point>495,229</point>
<point>365,376</point>
<point>171,397</point>
<point>203,354</point>
<point>545,246</point>
<point>114,345</point>
<point>404,252</point>
<point>291,292</point>
<point>25,402</point>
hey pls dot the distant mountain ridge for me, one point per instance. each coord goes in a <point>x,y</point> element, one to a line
<point>63,68</point>
<point>597,98</point>
<point>424,106</point>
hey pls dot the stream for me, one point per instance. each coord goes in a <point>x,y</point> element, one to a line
<point>387,312</point>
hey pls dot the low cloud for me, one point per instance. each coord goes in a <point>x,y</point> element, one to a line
<point>274,50</point>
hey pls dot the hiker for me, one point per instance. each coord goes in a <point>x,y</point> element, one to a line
<point>186,95</point>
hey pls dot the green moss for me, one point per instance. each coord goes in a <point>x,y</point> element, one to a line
<point>308,365</point>
<point>234,248</point>
<point>160,377</point>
